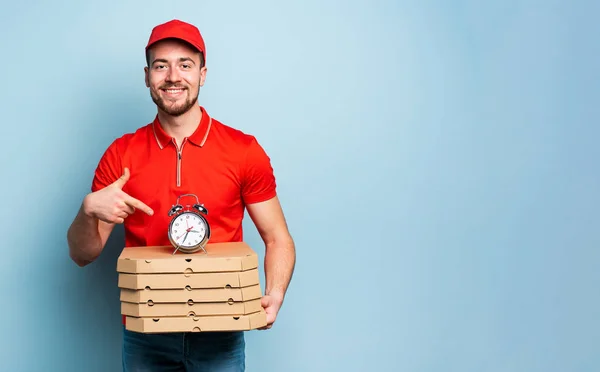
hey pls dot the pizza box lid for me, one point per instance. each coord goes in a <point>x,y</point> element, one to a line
<point>219,257</point>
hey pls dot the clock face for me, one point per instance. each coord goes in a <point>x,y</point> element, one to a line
<point>188,229</point>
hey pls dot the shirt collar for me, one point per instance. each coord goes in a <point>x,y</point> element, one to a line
<point>198,138</point>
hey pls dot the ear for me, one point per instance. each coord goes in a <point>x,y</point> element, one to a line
<point>203,71</point>
<point>146,77</point>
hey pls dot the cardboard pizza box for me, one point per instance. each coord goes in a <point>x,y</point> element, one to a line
<point>219,257</point>
<point>190,309</point>
<point>197,323</point>
<point>197,280</point>
<point>190,295</point>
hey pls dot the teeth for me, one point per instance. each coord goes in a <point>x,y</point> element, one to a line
<point>174,90</point>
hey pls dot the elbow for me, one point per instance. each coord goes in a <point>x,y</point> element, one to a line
<point>79,261</point>
<point>84,245</point>
<point>76,255</point>
<point>283,242</point>
<point>276,237</point>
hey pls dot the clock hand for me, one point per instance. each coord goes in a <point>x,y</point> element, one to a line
<point>186,234</point>
<point>179,237</point>
<point>187,231</point>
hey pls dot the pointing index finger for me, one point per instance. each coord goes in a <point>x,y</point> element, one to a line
<point>131,201</point>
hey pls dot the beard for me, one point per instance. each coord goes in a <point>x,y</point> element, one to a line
<point>172,109</point>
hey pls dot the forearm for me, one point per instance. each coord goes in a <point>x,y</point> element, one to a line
<point>84,239</point>
<point>280,259</point>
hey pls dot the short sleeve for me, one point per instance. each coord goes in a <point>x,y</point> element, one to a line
<point>108,169</point>
<point>258,181</point>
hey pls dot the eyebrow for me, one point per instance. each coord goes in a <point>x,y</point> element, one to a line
<point>185,59</point>
<point>182,59</point>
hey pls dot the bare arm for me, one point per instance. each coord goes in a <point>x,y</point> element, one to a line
<point>99,213</point>
<point>280,253</point>
<point>87,237</point>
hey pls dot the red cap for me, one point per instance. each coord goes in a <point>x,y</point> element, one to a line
<point>178,30</point>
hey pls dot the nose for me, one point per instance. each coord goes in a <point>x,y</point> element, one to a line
<point>173,75</point>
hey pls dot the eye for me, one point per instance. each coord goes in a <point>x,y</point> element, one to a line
<point>186,66</point>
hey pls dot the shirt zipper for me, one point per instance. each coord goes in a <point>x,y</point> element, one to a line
<point>179,164</point>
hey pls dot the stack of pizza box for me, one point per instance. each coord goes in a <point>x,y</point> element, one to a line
<point>216,290</point>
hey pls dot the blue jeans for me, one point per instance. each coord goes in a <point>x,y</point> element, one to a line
<point>193,352</point>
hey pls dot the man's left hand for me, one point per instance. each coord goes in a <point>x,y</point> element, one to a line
<point>271,303</point>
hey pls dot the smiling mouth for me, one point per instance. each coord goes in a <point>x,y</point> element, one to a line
<point>173,91</point>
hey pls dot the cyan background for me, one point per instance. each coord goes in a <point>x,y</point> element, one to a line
<point>437,162</point>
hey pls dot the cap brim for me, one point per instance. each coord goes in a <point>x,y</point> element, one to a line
<point>174,38</point>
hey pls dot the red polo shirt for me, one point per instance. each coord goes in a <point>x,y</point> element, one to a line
<point>226,168</point>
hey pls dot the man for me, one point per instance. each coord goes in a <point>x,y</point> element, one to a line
<point>184,150</point>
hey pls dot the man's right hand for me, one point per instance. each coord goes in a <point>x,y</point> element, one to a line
<point>112,204</point>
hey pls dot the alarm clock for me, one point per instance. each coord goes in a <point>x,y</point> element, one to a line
<point>189,230</point>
